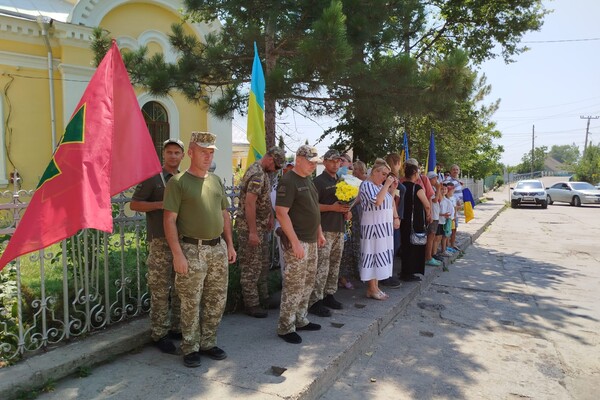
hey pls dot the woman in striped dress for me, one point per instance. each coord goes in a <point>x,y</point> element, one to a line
<point>379,219</point>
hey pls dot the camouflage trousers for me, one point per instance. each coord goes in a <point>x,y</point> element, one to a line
<point>162,289</point>
<point>328,267</point>
<point>254,266</point>
<point>298,283</point>
<point>203,294</point>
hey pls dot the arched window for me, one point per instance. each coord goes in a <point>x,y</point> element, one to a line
<point>157,121</point>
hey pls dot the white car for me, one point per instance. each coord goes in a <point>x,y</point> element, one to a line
<point>574,193</point>
<point>528,192</point>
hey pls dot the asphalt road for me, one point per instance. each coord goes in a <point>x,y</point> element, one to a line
<point>517,317</point>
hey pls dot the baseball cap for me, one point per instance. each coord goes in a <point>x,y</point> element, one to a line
<point>431,175</point>
<point>308,152</point>
<point>412,161</point>
<point>204,139</point>
<point>278,155</point>
<point>332,154</point>
<point>173,141</point>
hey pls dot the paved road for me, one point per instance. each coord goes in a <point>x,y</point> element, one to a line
<point>516,318</point>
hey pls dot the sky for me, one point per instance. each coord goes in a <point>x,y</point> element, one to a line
<point>550,87</point>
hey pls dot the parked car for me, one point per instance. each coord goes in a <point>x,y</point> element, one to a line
<point>528,192</point>
<point>574,193</point>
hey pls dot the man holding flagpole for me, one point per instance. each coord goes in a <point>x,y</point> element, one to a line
<point>148,198</point>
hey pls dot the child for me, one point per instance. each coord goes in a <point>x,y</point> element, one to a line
<point>430,248</point>
<point>446,217</point>
<point>455,203</point>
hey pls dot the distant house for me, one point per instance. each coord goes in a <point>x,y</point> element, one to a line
<point>553,165</point>
<point>47,39</point>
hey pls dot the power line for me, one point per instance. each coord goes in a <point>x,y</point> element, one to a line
<point>562,40</point>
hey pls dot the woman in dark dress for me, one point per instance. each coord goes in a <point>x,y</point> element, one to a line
<point>417,213</point>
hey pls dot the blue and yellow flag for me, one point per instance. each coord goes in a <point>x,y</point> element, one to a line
<point>431,161</point>
<point>469,204</point>
<point>405,146</point>
<point>255,131</point>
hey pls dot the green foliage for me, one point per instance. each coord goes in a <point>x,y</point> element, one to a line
<point>588,168</point>
<point>566,154</point>
<point>375,64</point>
<point>84,371</point>
<point>9,333</point>
<point>538,161</point>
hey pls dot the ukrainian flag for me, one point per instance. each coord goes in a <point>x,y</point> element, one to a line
<point>469,204</point>
<point>255,131</point>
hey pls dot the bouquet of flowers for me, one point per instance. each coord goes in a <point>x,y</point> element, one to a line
<point>346,190</point>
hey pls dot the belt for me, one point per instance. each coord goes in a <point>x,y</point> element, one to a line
<point>212,242</point>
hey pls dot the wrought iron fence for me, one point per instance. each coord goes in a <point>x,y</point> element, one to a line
<point>83,284</point>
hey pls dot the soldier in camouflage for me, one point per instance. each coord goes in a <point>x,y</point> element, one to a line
<point>297,209</point>
<point>254,220</point>
<point>148,198</point>
<point>333,215</point>
<point>198,230</point>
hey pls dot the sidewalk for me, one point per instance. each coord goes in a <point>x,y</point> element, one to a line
<point>260,365</point>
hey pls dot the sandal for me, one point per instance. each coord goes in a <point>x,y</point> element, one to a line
<point>377,296</point>
<point>345,283</point>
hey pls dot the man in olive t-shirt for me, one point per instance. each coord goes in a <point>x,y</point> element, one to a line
<point>195,216</point>
<point>333,215</point>
<point>297,209</point>
<point>148,198</point>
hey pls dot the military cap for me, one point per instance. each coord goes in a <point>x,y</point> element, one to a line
<point>278,155</point>
<point>204,139</point>
<point>332,154</point>
<point>308,152</point>
<point>173,141</point>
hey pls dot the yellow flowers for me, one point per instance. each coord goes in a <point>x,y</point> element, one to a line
<point>345,192</point>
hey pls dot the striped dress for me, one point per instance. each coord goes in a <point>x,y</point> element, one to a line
<point>377,234</point>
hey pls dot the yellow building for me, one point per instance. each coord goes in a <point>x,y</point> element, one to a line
<point>51,38</point>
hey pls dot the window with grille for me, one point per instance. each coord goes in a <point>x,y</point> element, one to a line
<point>157,121</point>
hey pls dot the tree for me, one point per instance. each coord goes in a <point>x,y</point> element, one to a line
<point>566,154</point>
<point>588,168</point>
<point>373,63</point>
<point>539,154</point>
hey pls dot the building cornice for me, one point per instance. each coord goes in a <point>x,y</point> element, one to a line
<point>21,60</point>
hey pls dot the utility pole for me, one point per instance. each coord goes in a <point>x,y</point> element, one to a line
<point>532,147</point>
<point>587,130</point>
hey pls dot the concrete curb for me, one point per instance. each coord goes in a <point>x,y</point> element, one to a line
<point>37,371</point>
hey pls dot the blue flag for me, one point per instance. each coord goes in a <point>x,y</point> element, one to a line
<point>431,161</point>
<point>405,145</point>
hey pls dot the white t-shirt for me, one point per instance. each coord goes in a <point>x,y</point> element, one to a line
<point>435,208</point>
<point>446,206</point>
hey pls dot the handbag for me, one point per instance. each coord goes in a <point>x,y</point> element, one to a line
<point>416,238</point>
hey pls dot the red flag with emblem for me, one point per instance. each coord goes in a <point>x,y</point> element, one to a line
<point>106,148</point>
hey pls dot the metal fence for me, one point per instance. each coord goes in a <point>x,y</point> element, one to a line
<point>475,186</point>
<point>83,284</point>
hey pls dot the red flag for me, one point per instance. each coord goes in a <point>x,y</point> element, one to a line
<point>106,148</point>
